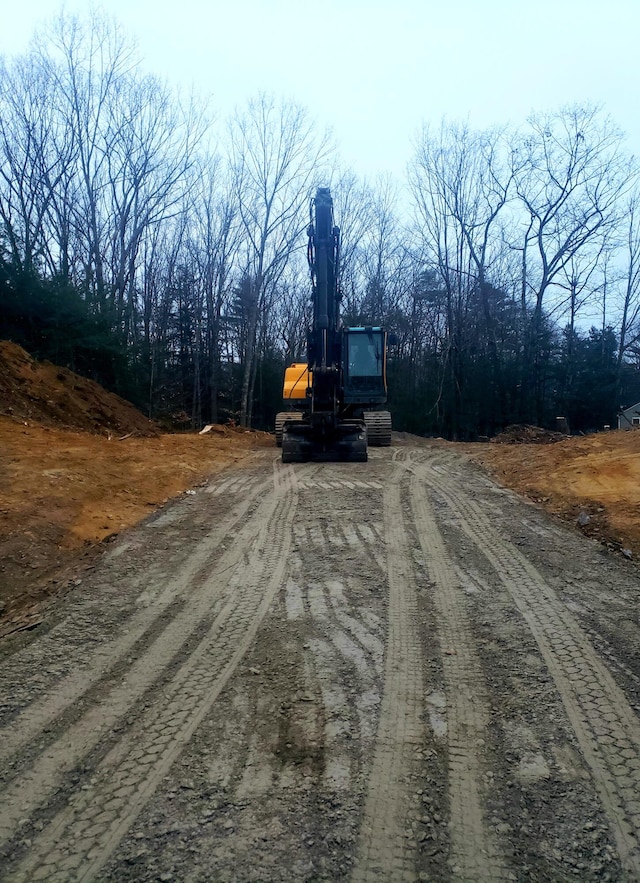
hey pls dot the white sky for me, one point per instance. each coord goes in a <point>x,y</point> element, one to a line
<point>374,71</point>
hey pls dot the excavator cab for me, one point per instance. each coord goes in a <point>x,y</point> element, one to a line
<point>365,366</point>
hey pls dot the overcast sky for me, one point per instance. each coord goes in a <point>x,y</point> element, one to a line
<point>374,71</point>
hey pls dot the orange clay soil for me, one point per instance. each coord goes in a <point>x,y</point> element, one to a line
<point>78,465</point>
<point>592,481</point>
<point>64,493</point>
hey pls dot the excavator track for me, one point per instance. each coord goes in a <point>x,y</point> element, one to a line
<point>281,416</point>
<point>378,425</point>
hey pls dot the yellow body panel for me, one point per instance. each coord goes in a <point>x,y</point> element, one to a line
<point>297,378</point>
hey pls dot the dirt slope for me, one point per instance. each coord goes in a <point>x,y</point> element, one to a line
<point>77,466</point>
<point>53,396</point>
<point>592,481</point>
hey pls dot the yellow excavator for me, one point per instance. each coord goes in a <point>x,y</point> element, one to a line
<point>333,398</point>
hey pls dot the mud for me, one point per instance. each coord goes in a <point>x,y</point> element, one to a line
<point>396,670</point>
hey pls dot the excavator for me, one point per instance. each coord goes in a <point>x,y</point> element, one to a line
<point>333,398</point>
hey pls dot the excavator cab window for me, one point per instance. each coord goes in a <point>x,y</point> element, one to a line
<point>364,364</point>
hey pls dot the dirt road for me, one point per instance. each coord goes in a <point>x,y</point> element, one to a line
<point>391,671</point>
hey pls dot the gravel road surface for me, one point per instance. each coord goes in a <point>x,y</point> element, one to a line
<point>390,671</point>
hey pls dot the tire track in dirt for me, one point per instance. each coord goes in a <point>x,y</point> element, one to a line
<point>384,851</point>
<point>29,724</point>
<point>65,749</point>
<point>333,708</point>
<point>347,654</point>
<point>351,535</point>
<point>131,768</point>
<point>359,632</point>
<point>604,723</point>
<point>302,714</point>
<point>474,852</point>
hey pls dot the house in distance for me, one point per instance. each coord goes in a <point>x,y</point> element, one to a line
<point>629,418</point>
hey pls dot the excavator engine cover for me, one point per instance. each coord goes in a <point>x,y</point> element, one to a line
<point>297,380</point>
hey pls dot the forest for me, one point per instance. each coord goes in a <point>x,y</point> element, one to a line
<point>161,251</point>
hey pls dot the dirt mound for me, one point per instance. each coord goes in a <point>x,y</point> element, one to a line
<point>525,434</point>
<point>591,481</point>
<point>52,396</point>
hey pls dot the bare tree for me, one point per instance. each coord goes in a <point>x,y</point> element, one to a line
<point>152,151</point>
<point>88,60</point>
<point>214,243</point>
<point>294,310</point>
<point>570,179</point>
<point>36,155</point>
<point>134,147</point>
<point>461,184</point>
<point>383,254</point>
<point>629,333</point>
<point>277,158</point>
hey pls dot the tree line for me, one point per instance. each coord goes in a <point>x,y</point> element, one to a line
<point>163,252</point>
